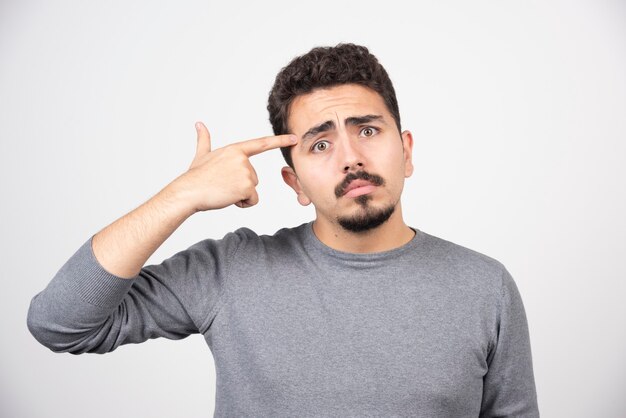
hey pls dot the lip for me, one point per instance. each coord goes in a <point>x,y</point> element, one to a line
<point>358,191</point>
<point>358,187</point>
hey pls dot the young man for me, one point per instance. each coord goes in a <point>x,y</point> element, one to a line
<point>352,314</point>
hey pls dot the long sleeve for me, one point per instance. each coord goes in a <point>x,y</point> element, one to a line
<point>84,308</point>
<point>509,385</point>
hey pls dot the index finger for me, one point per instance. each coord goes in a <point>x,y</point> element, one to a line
<point>256,146</point>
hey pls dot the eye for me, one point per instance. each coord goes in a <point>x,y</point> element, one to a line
<point>320,146</point>
<point>370,129</point>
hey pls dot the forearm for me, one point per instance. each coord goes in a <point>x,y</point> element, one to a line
<point>85,307</point>
<point>215,180</point>
<point>124,246</point>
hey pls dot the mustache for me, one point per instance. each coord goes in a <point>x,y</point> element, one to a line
<point>362,175</point>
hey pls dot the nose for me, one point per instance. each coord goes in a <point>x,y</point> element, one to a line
<point>351,158</point>
<point>353,167</point>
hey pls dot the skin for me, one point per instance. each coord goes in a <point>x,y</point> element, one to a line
<point>375,147</point>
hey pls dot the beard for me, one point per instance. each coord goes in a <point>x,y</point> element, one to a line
<point>367,218</point>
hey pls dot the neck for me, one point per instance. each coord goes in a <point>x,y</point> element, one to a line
<point>391,234</point>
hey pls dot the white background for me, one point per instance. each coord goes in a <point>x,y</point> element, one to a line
<point>518,113</point>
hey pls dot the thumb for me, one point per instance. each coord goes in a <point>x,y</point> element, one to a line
<point>204,139</point>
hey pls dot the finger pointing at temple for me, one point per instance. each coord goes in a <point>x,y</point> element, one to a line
<point>223,176</point>
<point>256,146</point>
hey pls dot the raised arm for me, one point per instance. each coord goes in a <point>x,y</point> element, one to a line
<point>102,297</point>
<point>214,180</point>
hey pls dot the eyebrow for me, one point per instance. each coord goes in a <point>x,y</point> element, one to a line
<point>329,125</point>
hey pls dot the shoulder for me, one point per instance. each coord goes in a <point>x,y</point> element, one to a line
<point>470,265</point>
<point>457,253</point>
<point>245,239</point>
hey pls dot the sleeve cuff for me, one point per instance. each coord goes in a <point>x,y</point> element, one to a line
<point>86,276</point>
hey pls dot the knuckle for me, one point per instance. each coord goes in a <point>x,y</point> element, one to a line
<point>265,143</point>
<point>246,192</point>
<point>230,150</point>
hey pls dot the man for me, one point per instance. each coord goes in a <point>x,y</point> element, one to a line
<point>352,314</point>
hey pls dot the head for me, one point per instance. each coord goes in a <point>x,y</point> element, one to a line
<point>324,67</point>
<point>351,158</point>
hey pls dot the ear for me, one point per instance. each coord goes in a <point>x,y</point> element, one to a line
<point>291,178</point>
<point>407,145</point>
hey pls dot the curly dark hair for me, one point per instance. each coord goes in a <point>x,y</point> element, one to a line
<point>324,67</point>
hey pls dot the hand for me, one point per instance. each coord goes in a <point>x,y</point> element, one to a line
<point>219,178</point>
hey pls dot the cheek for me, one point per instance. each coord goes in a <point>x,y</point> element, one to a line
<point>316,184</point>
<point>389,159</point>
<point>393,169</point>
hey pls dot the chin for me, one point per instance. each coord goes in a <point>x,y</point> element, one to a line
<point>367,219</point>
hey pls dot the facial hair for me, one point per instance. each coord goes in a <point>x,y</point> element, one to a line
<point>369,217</point>
<point>364,221</point>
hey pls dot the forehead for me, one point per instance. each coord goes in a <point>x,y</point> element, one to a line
<point>334,103</point>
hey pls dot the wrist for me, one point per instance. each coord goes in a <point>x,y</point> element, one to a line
<point>178,199</point>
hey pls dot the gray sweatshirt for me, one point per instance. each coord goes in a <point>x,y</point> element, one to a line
<point>298,329</point>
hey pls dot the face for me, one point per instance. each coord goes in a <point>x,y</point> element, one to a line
<point>350,160</point>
